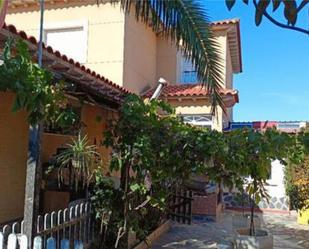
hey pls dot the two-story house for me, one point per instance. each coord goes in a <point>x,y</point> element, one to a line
<point>114,44</point>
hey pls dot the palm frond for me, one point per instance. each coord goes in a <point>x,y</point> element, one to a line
<point>187,24</point>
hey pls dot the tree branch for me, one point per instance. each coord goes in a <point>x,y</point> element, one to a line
<point>279,23</point>
<point>302,5</point>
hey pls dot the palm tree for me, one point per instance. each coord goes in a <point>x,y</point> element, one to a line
<point>187,24</point>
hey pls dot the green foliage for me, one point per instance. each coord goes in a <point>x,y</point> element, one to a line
<point>35,89</point>
<point>106,199</point>
<point>155,152</point>
<point>297,175</point>
<point>297,182</point>
<point>257,152</point>
<point>82,158</point>
<point>103,195</point>
<point>291,10</point>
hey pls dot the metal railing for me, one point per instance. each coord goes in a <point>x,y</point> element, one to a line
<point>69,228</point>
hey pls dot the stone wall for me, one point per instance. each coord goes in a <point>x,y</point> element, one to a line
<point>275,188</point>
<point>237,200</point>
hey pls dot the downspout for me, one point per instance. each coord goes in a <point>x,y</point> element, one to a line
<point>161,84</point>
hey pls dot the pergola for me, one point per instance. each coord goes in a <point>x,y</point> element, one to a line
<point>94,88</point>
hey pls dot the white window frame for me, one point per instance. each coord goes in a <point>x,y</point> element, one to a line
<point>75,24</point>
<point>208,123</point>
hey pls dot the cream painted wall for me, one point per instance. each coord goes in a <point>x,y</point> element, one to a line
<point>13,159</point>
<point>95,119</point>
<point>228,117</point>
<point>167,60</point>
<point>140,56</point>
<point>221,37</point>
<point>105,25</point>
<point>51,142</point>
<point>228,69</point>
<point>197,106</point>
<point>119,48</point>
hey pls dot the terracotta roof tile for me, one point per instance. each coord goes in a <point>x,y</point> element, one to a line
<point>192,90</point>
<point>224,22</point>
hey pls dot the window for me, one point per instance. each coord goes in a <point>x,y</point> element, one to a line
<point>188,72</point>
<point>199,120</point>
<point>69,38</point>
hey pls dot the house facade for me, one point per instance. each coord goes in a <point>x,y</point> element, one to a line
<point>85,40</point>
<point>102,99</point>
<point>112,43</point>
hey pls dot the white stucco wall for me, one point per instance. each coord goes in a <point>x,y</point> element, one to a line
<point>276,182</point>
<point>275,187</point>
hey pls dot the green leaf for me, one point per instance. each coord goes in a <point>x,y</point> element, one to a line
<point>257,198</point>
<point>258,17</point>
<point>290,11</point>
<point>16,106</point>
<point>276,4</point>
<point>134,187</point>
<point>261,7</point>
<point>230,4</point>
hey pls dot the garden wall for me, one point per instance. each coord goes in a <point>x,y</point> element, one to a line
<point>276,189</point>
<point>14,130</point>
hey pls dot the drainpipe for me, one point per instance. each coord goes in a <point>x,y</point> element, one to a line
<point>161,84</point>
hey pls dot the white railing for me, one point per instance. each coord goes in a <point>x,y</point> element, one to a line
<point>68,228</point>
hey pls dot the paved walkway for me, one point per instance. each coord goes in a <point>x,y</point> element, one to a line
<point>203,234</point>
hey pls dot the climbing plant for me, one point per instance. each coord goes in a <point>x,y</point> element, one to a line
<point>291,9</point>
<point>258,151</point>
<point>36,90</point>
<point>154,151</point>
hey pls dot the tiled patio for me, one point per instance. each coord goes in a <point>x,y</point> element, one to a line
<point>203,234</point>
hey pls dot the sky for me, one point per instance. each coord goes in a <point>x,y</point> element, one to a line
<point>274,84</point>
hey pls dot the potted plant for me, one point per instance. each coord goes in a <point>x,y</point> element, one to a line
<point>258,155</point>
<point>243,219</point>
<point>77,162</point>
<point>254,237</point>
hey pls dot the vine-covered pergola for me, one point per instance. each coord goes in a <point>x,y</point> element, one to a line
<point>43,92</point>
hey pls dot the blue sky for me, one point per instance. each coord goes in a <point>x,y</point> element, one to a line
<point>274,84</point>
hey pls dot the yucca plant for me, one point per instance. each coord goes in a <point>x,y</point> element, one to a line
<point>82,158</point>
<point>187,24</point>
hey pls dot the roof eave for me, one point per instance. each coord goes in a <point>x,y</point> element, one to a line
<point>74,71</point>
<point>229,99</point>
<point>227,25</point>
